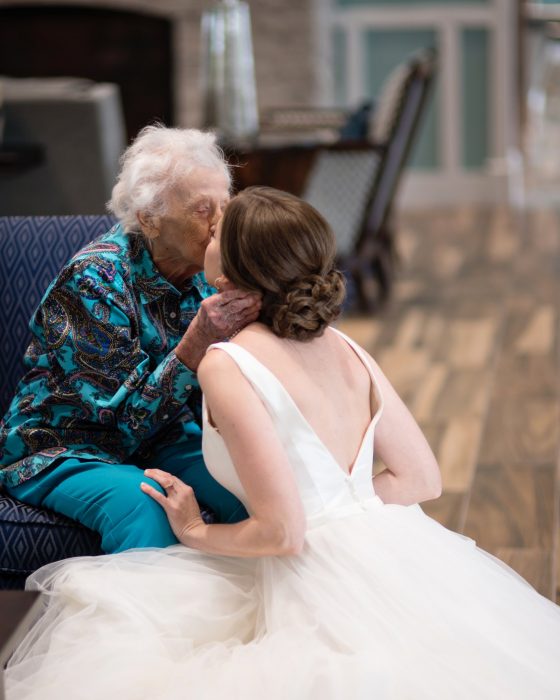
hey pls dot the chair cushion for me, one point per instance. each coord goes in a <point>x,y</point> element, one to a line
<point>31,537</point>
<point>34,249</point>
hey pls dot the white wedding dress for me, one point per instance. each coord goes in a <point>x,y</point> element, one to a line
<point>383,603</point>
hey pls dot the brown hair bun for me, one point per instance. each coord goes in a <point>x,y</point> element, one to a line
<point>307,307</point>
<point>280,246</point>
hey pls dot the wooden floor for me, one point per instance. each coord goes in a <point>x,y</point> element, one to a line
<point>470,341</point>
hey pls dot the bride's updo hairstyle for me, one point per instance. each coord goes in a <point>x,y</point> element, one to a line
<point>280,246</point>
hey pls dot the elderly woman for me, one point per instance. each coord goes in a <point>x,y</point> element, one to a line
<point>111,386</point>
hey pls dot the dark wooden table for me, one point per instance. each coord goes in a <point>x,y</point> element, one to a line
<point>18,611</point>
<point>16,158</point>
<point>283,166</point>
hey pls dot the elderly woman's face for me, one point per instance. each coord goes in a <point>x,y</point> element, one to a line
<point>212,259</point>
<point>194,209</point>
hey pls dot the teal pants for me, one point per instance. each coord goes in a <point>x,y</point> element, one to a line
<point>107,497</point>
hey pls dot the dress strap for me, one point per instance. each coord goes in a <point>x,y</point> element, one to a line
<point>265,383</point>
<point>361,354</point>
<point>290,423</point>
<point>271,390</point>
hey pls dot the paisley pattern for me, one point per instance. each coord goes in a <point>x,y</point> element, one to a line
<point>102,377</point>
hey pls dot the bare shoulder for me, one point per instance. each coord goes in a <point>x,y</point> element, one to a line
<point>377,371</point>
<point>216,363</point>
<point>259,341</point>
<point>226,388</point>
<point>371,360</point>
<point>351,351</point>
<point>368,356</point>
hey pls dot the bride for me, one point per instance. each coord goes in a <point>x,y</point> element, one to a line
<point>336,585</point>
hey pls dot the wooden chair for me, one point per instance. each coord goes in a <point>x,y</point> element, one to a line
<point>353,184</point>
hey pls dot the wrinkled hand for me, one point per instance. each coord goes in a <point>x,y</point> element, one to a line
<point>180,504</point>
<point>218,317</point>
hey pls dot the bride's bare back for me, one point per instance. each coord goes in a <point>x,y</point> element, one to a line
<point>327,381</point>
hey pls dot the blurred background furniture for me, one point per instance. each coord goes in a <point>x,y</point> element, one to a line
<point>33,251</point>
<point>296,124</point>
<point>78,127</point>
<point>354,181</point>
<point>102,41</point>
<point>16,158</point>
<point>355,188</point>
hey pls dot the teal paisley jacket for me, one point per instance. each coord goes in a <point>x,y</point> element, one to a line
<point>102,377</point>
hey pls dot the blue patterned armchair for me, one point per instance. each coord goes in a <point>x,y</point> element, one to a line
<point>33,249</point>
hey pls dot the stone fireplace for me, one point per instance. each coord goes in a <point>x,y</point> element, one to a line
<point>151,48</point>
<point>128,48</point>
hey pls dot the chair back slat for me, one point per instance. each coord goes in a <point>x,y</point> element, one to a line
<point>354,184</point>
<point>407,119</point>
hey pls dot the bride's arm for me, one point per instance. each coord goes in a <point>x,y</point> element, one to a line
<point>277,523</point>
<point>412,473</point>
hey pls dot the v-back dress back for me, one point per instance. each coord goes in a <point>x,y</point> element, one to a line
<point>382,603</point>
<point>323,484</point>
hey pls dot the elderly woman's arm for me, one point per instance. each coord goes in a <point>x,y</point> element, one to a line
<point>219,316</point>
<point>89,330</point>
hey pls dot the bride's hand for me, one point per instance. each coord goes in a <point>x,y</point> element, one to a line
<point>180,504</point>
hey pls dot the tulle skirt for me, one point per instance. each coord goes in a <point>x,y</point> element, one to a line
<point>383,603</point>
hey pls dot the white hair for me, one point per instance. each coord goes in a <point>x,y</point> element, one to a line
<point>154,163</point>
